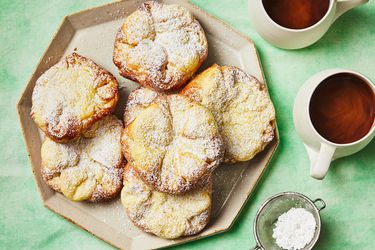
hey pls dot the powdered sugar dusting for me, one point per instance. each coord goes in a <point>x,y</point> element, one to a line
<point>172,142</point>
<point>71,95</point>
<point>241,106</point>
<point>165,215</point>
<point>88,169</point>
<point>160,46</point>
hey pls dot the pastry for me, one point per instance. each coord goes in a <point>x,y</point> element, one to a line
<point>242,108</point>
<point>171,141</point>
<point>160,46</point>
<point>166,215</point>
<point>70,96</point>
<point>87,169</point>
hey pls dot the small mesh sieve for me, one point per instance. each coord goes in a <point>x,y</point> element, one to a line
<point>276,205</point>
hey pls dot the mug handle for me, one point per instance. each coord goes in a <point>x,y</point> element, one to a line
<point>345,5</point>
<point>319,169</point>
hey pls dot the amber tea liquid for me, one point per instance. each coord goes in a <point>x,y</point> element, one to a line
<point>296,14</point>
<point>342,108</point>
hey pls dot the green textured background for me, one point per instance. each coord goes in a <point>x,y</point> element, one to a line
<point>26,28</point>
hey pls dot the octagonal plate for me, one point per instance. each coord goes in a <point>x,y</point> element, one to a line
<point>91,33</point>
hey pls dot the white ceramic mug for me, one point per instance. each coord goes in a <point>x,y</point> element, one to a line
<point>296,38</point>
<point>321,151</point>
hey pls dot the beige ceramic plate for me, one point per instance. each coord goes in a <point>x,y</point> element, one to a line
<point>91,33</point>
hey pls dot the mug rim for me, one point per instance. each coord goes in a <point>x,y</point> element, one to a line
<point>335,72</point>
<point>299,30</point>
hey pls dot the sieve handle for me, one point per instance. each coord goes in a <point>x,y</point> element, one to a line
<point>257,248</point>
<point>322,204</point>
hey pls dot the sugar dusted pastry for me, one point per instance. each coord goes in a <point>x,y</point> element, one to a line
<point>242,108</point>
<point>166,215</point>
<point>170,141</point>
<point>160,46</point>
<point>70,96</point>
<point>87,169</point>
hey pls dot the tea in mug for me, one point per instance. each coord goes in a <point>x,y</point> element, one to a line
<point>342,108</point>
<point>296,14</point>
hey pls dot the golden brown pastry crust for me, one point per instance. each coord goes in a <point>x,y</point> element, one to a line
<point>166,215</point>
<point>241,106</point>
<point>87,169</point>
<point>172,142</point>
<point>72,95</point>
<point>160,46</point>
